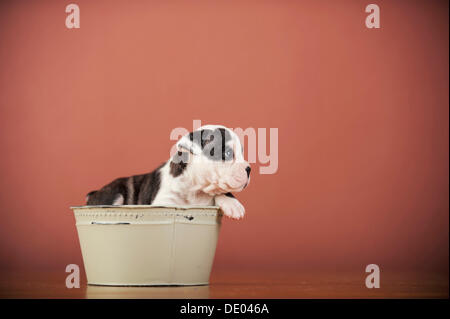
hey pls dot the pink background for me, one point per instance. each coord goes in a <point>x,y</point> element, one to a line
<point>363,119</point>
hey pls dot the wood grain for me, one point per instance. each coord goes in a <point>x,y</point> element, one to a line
<point>238,284</point>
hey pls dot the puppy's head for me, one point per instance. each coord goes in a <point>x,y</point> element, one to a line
<point>212,157</point>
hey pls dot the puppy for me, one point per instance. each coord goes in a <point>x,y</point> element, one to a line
<point>208,167</point>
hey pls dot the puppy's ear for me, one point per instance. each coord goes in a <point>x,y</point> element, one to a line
<point>190,143</point>
<point>178,163</point>
<point>180,157</point>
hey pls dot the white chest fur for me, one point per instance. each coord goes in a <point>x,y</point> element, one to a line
<point>178,191</point>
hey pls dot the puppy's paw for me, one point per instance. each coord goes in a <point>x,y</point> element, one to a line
<point>230,206</point>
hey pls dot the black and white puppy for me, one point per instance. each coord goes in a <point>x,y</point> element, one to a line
<point>209,165</point>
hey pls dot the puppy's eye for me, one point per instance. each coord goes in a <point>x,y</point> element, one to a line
<point>228,154</point>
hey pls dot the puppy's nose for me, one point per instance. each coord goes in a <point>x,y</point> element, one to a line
<point>248,169</point>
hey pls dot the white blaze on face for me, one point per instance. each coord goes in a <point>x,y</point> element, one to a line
<point>216,176</point>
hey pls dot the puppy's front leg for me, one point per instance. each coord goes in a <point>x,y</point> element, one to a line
<point>230,206</point>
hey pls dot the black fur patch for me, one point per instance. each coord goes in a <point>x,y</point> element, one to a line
<point>150,187</point>
<point>178,163</point>
<point>91,193</point>
<point>137,184</point>
<point>107,194</point>
<point>212,142</point>
<point>146,186</point>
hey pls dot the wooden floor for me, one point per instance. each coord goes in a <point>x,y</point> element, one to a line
<point>238,284</point>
